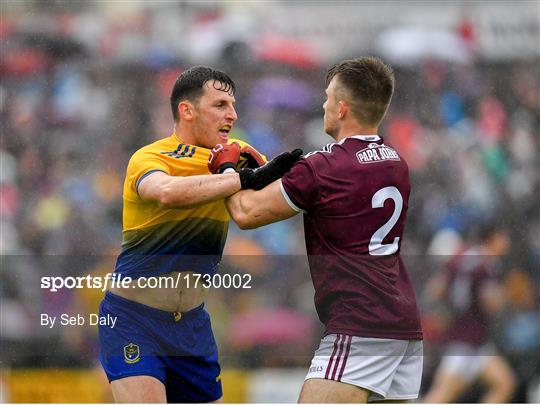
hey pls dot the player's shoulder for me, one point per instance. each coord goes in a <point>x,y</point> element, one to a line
<point>158,147</point>
<point>323,157</point>
<point>334,149</point>
<point>328,157</point>
<point>326,151</point>
<point>151,155</point>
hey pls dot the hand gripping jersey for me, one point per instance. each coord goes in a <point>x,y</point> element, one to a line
<point>156,239</point>
<point>354,194</point>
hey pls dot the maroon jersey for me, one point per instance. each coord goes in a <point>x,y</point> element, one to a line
<point>467,274</point>
<point>354,195</point>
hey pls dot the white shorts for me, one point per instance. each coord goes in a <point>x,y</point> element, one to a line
<point>466,360</point>
<point>389,368</point>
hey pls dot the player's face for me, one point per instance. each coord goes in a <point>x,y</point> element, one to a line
<point>214,116</point>
<point>331,109</point>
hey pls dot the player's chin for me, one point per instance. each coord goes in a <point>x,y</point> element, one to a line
<point>223,137</point>
<point>329,130</point>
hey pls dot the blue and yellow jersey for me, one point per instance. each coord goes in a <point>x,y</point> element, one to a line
<point>157,239</point>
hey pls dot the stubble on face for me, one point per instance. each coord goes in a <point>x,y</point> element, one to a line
<point>211,116</point>
<point>330,109</point>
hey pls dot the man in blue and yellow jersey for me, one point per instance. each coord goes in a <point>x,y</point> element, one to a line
<point>161,348</point>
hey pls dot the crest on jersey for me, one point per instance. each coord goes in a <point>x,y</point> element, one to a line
<point>132,353</point>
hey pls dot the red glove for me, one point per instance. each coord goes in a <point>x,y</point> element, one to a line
<point>223,156</point>
<point>253,159</point>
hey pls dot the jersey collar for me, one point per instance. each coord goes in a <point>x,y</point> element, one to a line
<point>367,138</point>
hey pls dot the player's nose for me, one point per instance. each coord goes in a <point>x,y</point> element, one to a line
<point>231,114</point>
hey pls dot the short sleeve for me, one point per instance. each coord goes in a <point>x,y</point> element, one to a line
<point>299,187</point>
<point>141,164</point>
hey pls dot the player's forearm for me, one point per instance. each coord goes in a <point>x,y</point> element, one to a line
<point>254,208</point>
<point>193,190</point>
<point>246,211</point>
<point>241,210</point>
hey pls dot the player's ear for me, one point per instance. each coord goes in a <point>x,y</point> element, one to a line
<point>185,110</point>
<point>343,109</point>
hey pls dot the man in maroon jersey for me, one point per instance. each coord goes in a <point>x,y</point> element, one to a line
<point>471,285</point>
<point>354,195</point>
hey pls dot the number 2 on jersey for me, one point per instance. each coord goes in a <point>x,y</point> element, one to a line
<point>376,247</point>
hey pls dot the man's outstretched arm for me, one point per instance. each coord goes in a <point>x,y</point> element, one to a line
<point>251,209</point>
<point>182,192</point>
<point>174,191</point>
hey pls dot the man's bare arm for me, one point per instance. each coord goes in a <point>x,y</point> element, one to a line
<point>251,209</point>
<point>175,191</point>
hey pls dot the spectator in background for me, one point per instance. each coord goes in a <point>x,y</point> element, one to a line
<point>471,285</point>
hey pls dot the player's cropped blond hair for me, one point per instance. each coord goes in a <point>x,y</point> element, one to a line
<point>367,84</point>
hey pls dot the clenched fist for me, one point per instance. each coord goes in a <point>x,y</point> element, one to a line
<point>223,157</point>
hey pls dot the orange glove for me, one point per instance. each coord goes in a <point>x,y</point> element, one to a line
<point>224,156</point>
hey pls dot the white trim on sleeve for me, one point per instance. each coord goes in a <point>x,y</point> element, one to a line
<point>288,199</point>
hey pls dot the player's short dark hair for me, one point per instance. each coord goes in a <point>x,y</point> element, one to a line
<point>367,85</point>
<point>190,85</point>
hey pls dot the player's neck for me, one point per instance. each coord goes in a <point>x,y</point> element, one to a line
<point>349,129</point>
<point>183,135</point>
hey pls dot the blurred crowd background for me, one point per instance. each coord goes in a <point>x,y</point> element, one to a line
<point>85,84</point>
